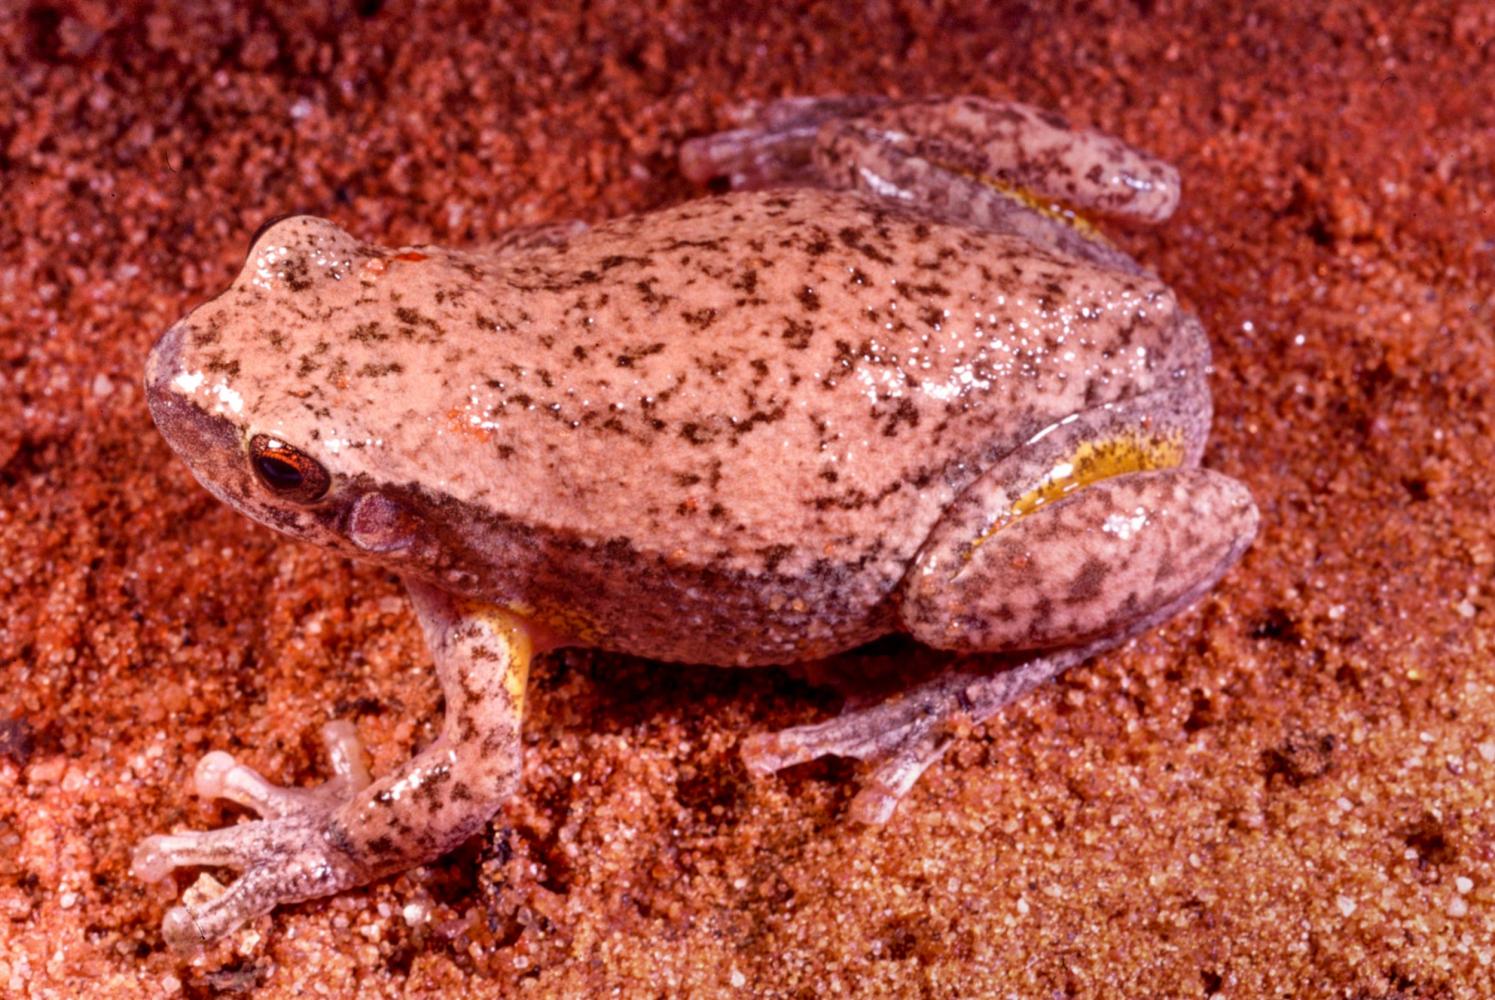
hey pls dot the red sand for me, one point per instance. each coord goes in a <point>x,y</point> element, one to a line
<point>1284,792</point>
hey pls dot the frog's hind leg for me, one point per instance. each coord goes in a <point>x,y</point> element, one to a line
<point>1028,153</point>
<point>1090,533</point>
<point>1000,165</point>
<point>903,736</point>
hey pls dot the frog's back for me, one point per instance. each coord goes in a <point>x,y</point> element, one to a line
<point>768,380</point>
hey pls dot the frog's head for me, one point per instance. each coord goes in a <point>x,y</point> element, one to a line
<point>274,401</point>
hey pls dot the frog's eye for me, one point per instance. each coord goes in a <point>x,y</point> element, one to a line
<point>287,472</point>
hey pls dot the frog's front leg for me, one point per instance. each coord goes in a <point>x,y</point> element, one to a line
<point>349,831</point>
<point>1074,543</point>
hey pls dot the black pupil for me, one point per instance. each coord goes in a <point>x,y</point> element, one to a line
<point>279,474</point>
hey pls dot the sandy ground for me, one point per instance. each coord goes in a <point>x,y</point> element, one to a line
<point>1285,791</point>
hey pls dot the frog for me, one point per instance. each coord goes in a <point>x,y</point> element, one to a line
<point>889,378</point>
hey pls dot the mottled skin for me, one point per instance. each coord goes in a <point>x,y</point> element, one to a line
<point>752,429</point>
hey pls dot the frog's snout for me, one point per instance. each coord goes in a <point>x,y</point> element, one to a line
<point>163,364</point>
<point>170,392</point>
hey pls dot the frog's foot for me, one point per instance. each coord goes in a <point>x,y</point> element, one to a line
<point>903,736</point>
<point>775,144</point>
<point>350,831</point>
<point>286,855</point>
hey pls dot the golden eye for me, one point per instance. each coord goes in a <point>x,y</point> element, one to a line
<point>287,472</point>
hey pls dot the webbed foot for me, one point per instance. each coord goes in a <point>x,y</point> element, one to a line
<point>903,736</point>
<point>292,852</point>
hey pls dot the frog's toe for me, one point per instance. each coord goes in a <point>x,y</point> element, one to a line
<point>750,158</point>
<point>158,855</point>
<point>798,112</point>
<point>219,776</point>
<point>867,734</point>
<point>899,752</point>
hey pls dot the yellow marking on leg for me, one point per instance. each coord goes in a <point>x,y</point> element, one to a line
<point>516,681</point>
<point>1049,208</point>
<point>1090,463</point>
<point>513,629</point>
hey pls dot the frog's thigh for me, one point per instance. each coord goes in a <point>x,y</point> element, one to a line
<point>935,177</point>
<point>1106,559</point>
<point>1019,148</point>
<point>350,831</point>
